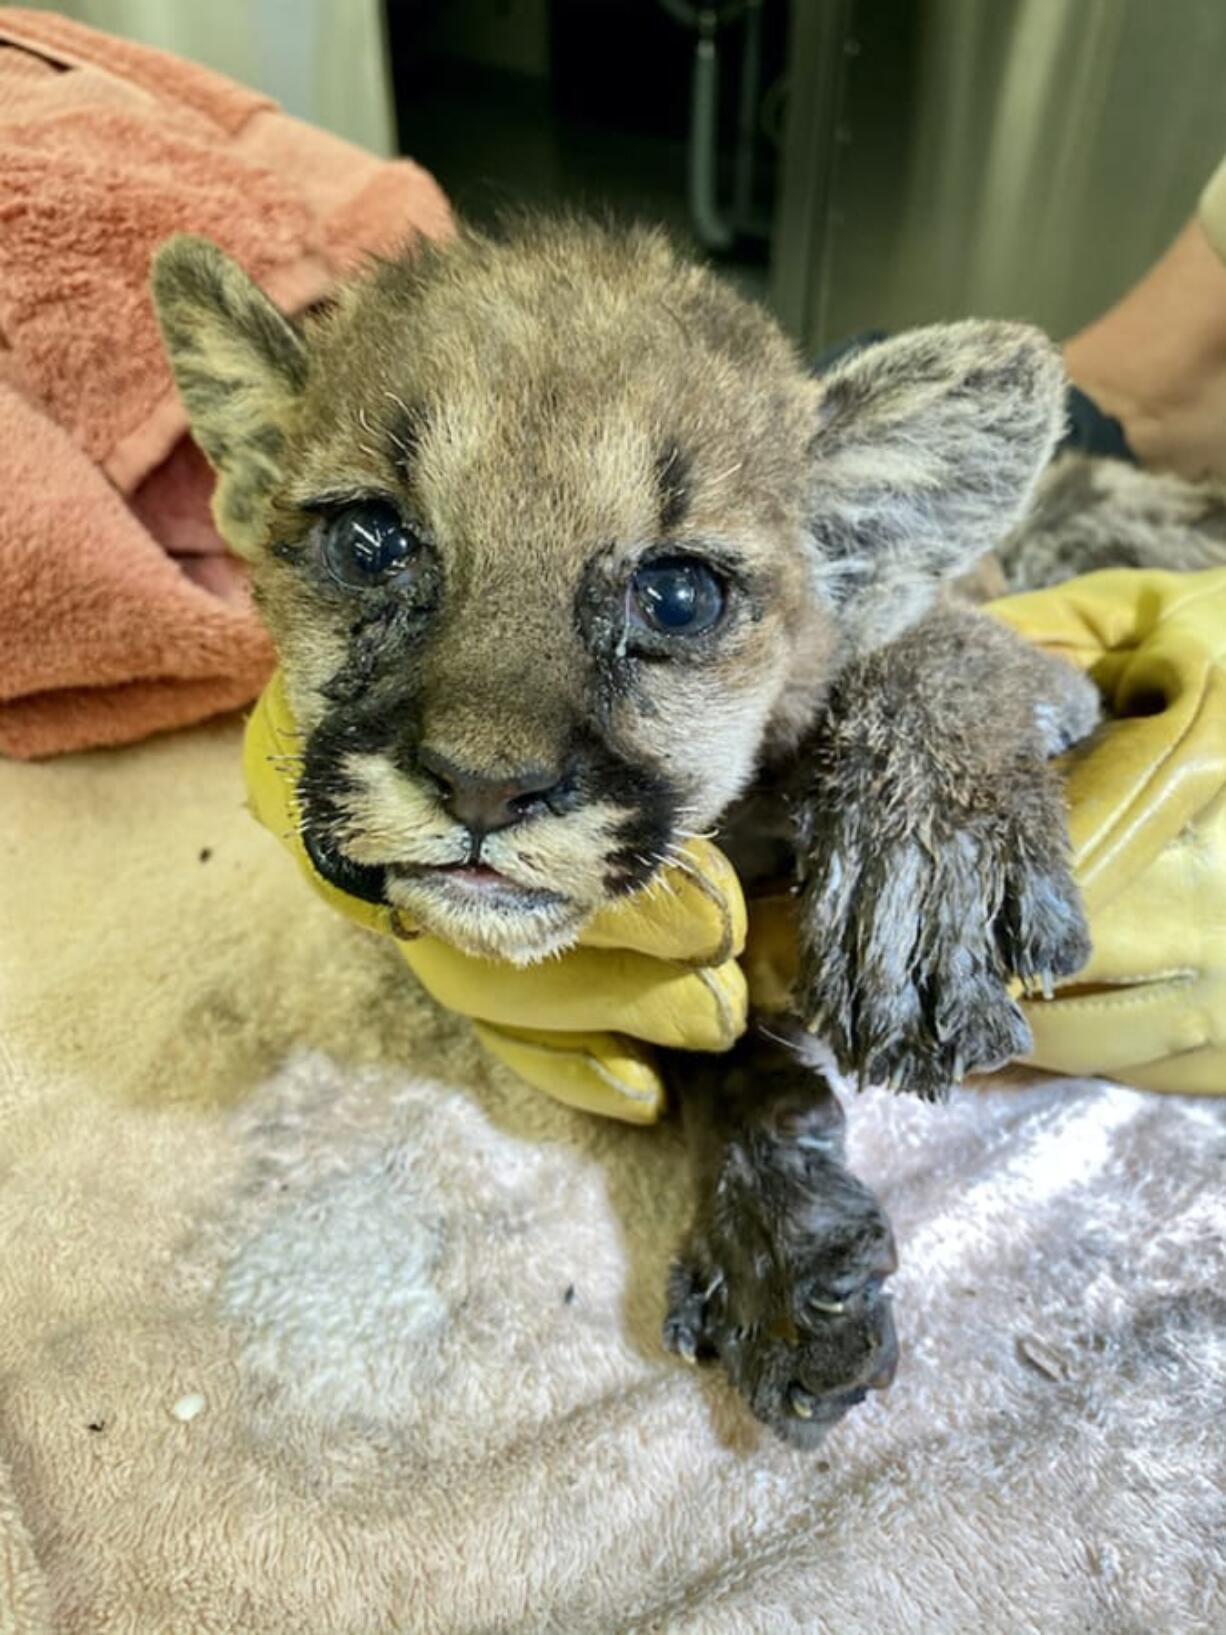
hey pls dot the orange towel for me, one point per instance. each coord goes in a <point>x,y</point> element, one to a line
<point>120,614</point>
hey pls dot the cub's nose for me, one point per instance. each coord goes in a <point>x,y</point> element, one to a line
<point>483,804</point>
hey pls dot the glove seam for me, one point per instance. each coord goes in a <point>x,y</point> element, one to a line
<point>602,1072</point>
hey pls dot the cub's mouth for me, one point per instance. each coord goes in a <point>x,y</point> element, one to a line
<point>472,905</point>
<point>478,884</point>
<point>480,910</point>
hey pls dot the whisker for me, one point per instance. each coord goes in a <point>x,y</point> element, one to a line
<point>683,865</point>
<point>399,442</point>
<point>775,1038</point>
<point>656,861</point>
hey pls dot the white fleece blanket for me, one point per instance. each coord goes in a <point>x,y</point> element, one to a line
<point>312,1321</point>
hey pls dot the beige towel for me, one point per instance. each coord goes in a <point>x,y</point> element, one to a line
<point>317,1324</point>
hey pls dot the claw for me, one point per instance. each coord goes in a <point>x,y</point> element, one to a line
<point>800,1403</point>
<point>959,1069</point>
<point>682,1344</point>
<point>833,1308</point>
<point>1045,984</point>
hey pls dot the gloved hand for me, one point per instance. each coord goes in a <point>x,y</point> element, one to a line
<point>1147,820</point>
<point>656,968</point>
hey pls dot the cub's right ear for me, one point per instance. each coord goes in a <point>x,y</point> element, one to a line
<point>240,365</point>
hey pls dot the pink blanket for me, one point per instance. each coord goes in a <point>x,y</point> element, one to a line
<point>120,614</point>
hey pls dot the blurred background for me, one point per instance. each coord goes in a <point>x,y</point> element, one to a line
<point>854,163</point>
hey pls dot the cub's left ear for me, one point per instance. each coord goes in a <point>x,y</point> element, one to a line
<point>239,365</point>
<point>927,452</point>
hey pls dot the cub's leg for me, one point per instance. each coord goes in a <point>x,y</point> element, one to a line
<point>781,1275</point>
<point>933,851</point>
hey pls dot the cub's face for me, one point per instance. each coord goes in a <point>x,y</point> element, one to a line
<point>546,540</point>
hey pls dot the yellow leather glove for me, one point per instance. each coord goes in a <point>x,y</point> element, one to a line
<point>1147,819</point>
<point>656,968</point>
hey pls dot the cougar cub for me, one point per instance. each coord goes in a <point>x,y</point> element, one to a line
<point>566,557</point>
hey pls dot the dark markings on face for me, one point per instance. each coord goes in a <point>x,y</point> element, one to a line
<point>673,469</point>
<point>386,638</point>
<point>386,625</point>
<point>384,720</point>
<point>323,786</point>
<point>373,713</point>
<point>600,615</point>
<point>650,801</point>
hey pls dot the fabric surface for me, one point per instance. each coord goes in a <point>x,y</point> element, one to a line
<point>407,1309</point>
<point>123,614</point>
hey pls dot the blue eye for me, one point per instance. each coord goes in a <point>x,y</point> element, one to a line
<point>676,595</point>
<point>367,544</point>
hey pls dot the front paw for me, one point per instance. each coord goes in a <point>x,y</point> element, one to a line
<point>783,1281</point>
<point>909,936</point>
